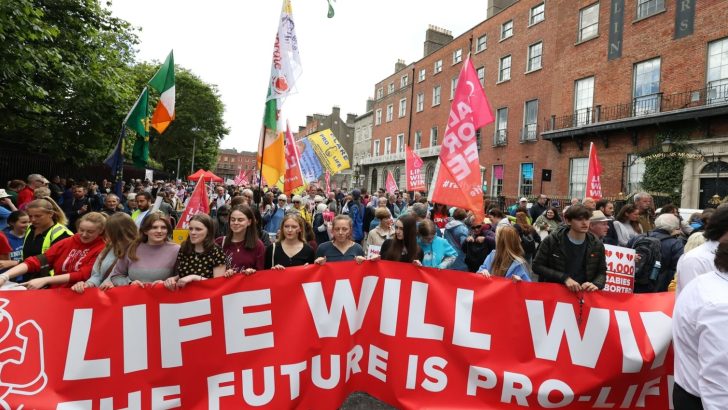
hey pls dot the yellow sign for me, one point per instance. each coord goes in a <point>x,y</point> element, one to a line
<point>328,150</point>
<point>180,235</point>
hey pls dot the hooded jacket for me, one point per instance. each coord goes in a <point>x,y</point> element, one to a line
<point>69,256</point>
<point>456,232</point>
<point>550,260</point>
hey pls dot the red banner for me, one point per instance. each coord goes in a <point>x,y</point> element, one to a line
<point>293,178</point>
<point>413,166</point>
<point>412,337</point>
<point>594,175</point>
<point>390,184</point>
<point>198,203</point>
<point>457,180</point>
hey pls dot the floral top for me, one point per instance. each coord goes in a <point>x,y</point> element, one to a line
<point>199,263</point>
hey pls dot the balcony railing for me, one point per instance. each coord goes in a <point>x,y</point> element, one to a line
<point>529,133</point>
<point>715,94</point>
<point>399,156</point>
<point>500,138</point>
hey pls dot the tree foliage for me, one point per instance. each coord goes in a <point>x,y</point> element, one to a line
<point>68,77</point>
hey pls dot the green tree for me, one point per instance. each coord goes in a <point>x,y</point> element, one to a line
<point>64,77</point>
<point>198,121</point>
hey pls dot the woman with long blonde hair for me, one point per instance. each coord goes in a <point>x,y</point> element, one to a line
<point>507,259</point>
<point>291,248</point>
<point>47,227</point>
<point>120,233</point>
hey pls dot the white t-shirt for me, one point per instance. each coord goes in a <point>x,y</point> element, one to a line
<point>700,339</point>
<point>695,263</point>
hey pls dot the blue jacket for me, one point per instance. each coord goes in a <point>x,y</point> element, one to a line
<point>273,220</point>
<point>356,212</point>
<point>456,233</point>
<point>517,268</point>
<point>438,254</point>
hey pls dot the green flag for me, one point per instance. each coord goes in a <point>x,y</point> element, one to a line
<point>331,9</point>
<point>138,120</point>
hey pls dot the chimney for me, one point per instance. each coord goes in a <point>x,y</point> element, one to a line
<point>336,111</point>
<point>301,130</point>
<point>435,38</point>
<point>496,6</point>
<point>350,119</point>
<point>370,104</point>
<point>400,65</point>
<point>309,120</point>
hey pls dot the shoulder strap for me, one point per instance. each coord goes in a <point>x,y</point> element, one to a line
<point>273,256</point>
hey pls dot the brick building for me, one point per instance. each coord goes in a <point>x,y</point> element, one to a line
<point>632,76</point>
<point>343,130</point>
<point>230,162</point>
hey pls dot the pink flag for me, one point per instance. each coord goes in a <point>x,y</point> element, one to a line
<point>413,165</point>
<point>199,203</point>
<point>594,175</point>
<point>390,185</point>
<point>293,178</point>
<point>457,182</point>
<point>327,177</point>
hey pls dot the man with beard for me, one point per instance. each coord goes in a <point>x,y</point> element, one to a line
<point>144,204</point>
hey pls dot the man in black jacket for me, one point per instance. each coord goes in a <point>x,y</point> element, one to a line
<point>572,255</point>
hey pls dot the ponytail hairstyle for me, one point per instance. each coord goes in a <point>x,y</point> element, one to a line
<point>120,233</point>
<point>49,206</point>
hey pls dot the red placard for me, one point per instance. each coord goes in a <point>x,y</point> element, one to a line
<point>413,337</point>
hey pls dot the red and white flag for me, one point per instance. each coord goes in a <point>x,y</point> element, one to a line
<point>594,175</point>
<point>293,177</point>
<point>413,166</point>
<point>199,203</point>
<point>390,185</point>
<point>327,177</point>
<point>457,179</point>
<point>240,179</point>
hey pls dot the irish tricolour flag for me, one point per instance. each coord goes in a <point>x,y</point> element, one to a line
<point>163,82</point>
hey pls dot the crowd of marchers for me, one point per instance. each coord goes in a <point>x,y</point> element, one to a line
<point>79,234</point>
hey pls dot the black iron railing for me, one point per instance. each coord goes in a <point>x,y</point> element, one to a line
<point>642,106</point>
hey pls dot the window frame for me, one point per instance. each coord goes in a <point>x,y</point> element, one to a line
<point>481,78</point>
<point>484,43</point>
<point>390,113</point>
<point>580,38</point>
<point>506,33</point>
<point>525,134</point>
<point>648,103</point>
<point>453,87</point>
<point>400,143</point>
<point>422,75</point>
<point>402,107</point>
<point>436,96</point>
<point>589,109</point>
<point>380,93</point>
<point>530,58</point>
<point>404,81</point>
<point>457,56</point>
<point>583,164</point>
<point>377,145</point>
<point>418,139</point>
<point>500,134</point>
<point>388,145</point>
<point>378,116</point>
<point>501,77</point>
<point>524,187</point>
<point>390,88</point>
<point>531,15</point>
<point>420,102</point>
<point>496,186</point>
<point>433,133</point>
<point>655,11</point>
<point>437,67</point>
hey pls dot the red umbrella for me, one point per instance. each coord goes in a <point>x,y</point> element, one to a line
<point>206,176</point>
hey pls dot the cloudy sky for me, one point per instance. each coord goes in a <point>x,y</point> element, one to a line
<point>230,42</point>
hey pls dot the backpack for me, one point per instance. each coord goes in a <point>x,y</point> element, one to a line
<point>648,248</point>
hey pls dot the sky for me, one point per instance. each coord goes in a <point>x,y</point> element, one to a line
<point>229,43</point>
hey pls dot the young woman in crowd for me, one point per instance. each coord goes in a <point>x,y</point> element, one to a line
<point>47,227</point>
<point>384,230</point>
<point>439,215</point>
<point>529,238</point>
<point>120,233</point>
<point>244,252</point>
<point>291,248</point>
<point>547,222</point>
<point>342,247</point>
<point>320,227</point>
<point>151,256</point>
<point>18,222</point>
<point>403,247</point>
<point>198,258</point>
<point>456,233</point>
<point>508,259</point>
<point>437,252</point>
<point>627,224</point>
<point>70,259</point>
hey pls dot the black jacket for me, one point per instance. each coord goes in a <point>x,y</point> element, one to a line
<point>550,261</point>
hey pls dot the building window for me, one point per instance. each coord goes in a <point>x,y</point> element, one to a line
<point>577,177</point>
<point>453,87</point>
<point>481,75</point>
<point>507,29</point>
<point>378,117</point>
<point>635,173</point>
<point>402,107</point>
<point>504,69</point>
<point>501,128</point>
<point>534,56</point>
<point>390,88</point>
<point>588,22</point>
<point>404,81</point>
<point>525,184</point>
<point>380,93</point>
<point>497,182</point>
<point>482,43</point>
<point>646,91</point>
<point>583,101</point>
<point>421,78</point>
<point>478,138</point>
<point>224,159</point>
<point>646,8</point>
<point>718,71</point>
<point>375,150</point>
<point>418,139</point>
<point>433,136</point>
<point>388,145</point>
<point>400,143</point>
<point>436,95</point>
<point>438,67</point>
<point>429,174</point>
<point>390,112</point>
<point>537,14</point>
<point>530,121</point>
<point>457,56</point>
<point>420,102</point>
